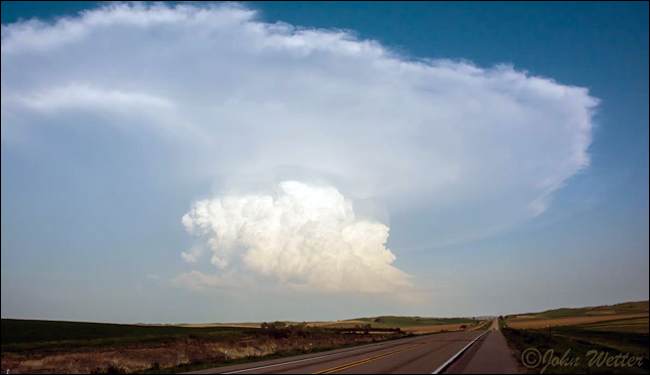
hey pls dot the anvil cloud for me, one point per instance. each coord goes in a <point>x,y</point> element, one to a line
<point>270,110</point>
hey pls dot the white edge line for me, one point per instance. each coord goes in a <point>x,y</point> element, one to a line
<point>308,359</point>
<point>450,360</point>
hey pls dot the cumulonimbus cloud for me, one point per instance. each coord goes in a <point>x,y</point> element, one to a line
<point>300,234</point>
<point>250,104</point>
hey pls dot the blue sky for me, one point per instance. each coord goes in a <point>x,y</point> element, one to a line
<point>92,200</point>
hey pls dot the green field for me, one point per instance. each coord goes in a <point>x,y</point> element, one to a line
<point>48,336</point>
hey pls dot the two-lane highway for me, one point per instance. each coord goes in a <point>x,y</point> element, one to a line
<point>442,353</point>
<point>490,355</point>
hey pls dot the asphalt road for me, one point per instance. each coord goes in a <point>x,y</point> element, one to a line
<point>450,353</point>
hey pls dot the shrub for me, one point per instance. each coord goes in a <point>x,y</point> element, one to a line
<point>112,369</point>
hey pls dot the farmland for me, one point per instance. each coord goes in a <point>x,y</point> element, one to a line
<point>571,321</point>
<point>30,346</point>
<point>75,347</point>
<point>618,329</point>
<point>415,325</point>
<point>407,324</point>
<point>618,309</point>
<point>579,316</point>
<point>404,322</point>
<point>633,325</point>
<point>48,336</point>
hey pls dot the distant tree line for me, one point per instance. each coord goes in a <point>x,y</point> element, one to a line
<point>282,330</point>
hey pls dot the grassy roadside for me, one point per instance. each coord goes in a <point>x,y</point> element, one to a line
<point>578,343</point>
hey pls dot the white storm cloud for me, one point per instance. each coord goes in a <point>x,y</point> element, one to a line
<point>301,234</point>
<point>249,105</point>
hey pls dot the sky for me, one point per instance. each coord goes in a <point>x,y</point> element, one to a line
<point>230,162</point>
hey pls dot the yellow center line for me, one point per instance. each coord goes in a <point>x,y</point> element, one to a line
<point>371,359</point>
